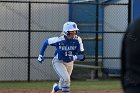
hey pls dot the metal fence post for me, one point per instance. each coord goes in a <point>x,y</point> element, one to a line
<point>96,48</point>
<point>29,39</point>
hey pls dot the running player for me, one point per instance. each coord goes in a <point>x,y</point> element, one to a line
<point>69,47</point>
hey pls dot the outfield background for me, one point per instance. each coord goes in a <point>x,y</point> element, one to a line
<point>25,24</point>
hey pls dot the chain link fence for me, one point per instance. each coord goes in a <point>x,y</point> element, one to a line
<point>24,25</point>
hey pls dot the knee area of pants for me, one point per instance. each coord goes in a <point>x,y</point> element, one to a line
<point>66,80</point>
<point>66,83</point>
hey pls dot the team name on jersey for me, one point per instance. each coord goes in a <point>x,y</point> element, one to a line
<point>67,47</point>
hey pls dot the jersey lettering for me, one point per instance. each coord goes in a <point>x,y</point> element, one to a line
<point>66,48</point>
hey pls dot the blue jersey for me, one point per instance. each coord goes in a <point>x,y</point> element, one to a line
<point>65,48</point>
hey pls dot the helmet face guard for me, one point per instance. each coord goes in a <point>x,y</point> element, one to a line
<point>72,32</point>
<point>70,26</point>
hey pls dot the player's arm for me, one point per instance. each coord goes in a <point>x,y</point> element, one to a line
<point>50,41</point>
<point>42,50</point>
<point>80,50</point>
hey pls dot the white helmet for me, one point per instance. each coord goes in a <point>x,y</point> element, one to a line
<point>69,26</point>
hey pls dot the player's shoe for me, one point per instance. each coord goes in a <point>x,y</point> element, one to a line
<point>55,88</point>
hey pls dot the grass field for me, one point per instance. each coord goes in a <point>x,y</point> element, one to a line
<point>75,85</point>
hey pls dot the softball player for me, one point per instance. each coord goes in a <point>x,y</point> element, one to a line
<point>69,47</point>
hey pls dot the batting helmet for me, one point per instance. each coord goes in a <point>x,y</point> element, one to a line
<point>69,26</point>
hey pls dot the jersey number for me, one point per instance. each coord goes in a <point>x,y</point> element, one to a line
<point>68,53</point>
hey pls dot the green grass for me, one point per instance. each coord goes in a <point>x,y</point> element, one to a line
<point>26,85</point>
<point>97,85</point>
<point>75,85</point>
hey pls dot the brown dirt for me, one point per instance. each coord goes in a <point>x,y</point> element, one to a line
<point>48,91</point>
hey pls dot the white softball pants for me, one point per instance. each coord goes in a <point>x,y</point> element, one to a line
<point>64,71</point>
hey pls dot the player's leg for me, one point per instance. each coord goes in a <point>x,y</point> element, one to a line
<point>60,83</point>
<point>69,67</point>
<point>62,72</point>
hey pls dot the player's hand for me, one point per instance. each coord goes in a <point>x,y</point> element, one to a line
<point>81,57</point>
<point>40,59</point>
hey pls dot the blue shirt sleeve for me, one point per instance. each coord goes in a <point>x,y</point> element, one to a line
<point>43,48</point>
